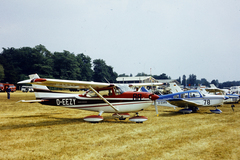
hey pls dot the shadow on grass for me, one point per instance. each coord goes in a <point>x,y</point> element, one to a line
<point>55,121</point>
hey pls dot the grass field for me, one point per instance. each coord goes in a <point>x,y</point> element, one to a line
<point>35,131</point>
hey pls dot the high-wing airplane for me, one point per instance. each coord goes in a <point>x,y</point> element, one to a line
<point>190,100</point>
<point>119,99</point>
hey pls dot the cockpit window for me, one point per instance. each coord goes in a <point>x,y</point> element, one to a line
<point>107,92</point>
<point>124,88</point>
<point>117,91</point>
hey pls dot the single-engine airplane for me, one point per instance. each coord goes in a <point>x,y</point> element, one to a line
<point>232,98</point>
<point>190,100</point>
<point>119,99</point>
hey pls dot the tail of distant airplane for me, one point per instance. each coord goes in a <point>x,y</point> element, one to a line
<point>212,86</point>
<point>175,88</point>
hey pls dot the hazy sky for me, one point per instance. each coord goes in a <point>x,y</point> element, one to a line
<point>176,37</point>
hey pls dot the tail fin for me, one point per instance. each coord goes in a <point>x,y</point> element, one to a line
<point>212,86</point>
<point>39,90</point>
<point>143,89</point>
<point>175,88</point>
<point>38,87</point>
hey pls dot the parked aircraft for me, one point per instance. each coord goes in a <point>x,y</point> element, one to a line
<point>190,100</point>
<point>232,98</point>
<point>119,99</point>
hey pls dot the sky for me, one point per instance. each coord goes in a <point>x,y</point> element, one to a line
<point>175,37</point>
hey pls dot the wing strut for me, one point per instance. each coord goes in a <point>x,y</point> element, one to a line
<point>104,99</point>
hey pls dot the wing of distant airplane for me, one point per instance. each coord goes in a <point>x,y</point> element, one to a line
<point>213,90</point>
<point>182,102</point>
<point>144,84</point>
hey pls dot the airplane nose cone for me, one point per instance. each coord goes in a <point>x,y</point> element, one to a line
<point>154,97</point>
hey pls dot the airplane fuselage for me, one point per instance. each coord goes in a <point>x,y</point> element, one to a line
<point>126,102</point>
<point>191,96</point>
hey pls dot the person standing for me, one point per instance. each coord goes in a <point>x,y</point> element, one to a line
<point>232,107</point>
<point>8,90</point>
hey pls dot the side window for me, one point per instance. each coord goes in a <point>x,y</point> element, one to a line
<point>184,95</point>
<point>194,94</point>
<point>105,92</point>
<point>176,96</point>
<point>117,91</point>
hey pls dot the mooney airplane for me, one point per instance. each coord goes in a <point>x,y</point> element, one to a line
<point>190,100</point>
<point>119,99</point>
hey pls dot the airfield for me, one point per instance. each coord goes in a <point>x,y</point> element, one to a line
<point>35,131</point>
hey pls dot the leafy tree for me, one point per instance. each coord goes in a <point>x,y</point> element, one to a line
<point>184,81</point>
<point>1,72</point>
<point>8,61</point>
<point>103,72</point>
<point>84,64</point>
<point>65,65</point>
<point>161,76</point>
<point>179,80</point>
<point>204,82</point>
<point>192,79</point>
<point>123,75</point>
<point>141,74</point>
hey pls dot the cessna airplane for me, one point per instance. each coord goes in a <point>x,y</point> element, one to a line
<point>101,97</point>
<point>190,100</point>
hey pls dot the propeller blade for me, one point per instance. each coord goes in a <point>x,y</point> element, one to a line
<point>155,105</point>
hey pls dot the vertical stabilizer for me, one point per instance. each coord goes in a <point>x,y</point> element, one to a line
<point>175,88</point>
<point>39,90</point>
<point>37,87</point>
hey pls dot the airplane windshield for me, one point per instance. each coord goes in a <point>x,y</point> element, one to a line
<point>124,87</point>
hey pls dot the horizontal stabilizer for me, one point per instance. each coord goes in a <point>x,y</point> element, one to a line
<point>29,101</point>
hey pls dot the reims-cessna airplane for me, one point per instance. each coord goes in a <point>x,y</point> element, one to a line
<point>119,99</point>
<point>190,100</point>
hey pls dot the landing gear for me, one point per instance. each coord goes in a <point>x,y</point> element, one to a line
<point>93,118</point>
<point>217,111</point>
<point>138,119</point>
<point>186,110</point>
<point>121,116</point>
<point>194,109</point>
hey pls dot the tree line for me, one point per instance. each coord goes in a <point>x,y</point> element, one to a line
<point>17,64</point>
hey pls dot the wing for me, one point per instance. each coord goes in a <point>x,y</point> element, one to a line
<point>213,90</point>
<point>144,84</point>
<point>65,83</point>
<point>182,102</point>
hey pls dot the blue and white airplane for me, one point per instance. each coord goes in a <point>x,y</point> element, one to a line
<point>190,101</point>
<point>232,98</point>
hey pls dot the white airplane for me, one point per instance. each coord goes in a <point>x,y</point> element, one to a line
<point>232,98</point>
<point>119,99</point>
<point>190,100</point>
